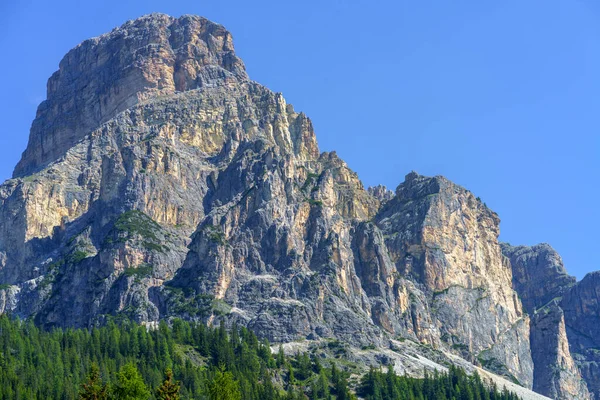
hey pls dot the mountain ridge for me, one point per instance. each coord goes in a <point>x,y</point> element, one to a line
<point>172,185</point>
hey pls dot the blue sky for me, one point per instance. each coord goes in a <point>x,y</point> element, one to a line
<point>501,97</point>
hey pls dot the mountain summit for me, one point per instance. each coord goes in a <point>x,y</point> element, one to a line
<point>160,181</point>
<point>153,56</point>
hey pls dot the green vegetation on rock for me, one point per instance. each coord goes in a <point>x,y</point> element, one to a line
<point>215,234</point>
<point>135,224</point>
<point>77,257</point>
<point>140,271</point>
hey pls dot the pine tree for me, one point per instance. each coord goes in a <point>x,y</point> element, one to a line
<point>169,390</point>
<point>94,388</point>
<point>291,376</point>
<point>37,364</point>
<point>130,385</point>
<point>323,385</point>
<point>280,357</point>
<point>224,386</point>
<point>304,367</point>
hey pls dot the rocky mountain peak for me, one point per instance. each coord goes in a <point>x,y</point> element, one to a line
<point>381,193</point>
<point>417,185</point>
<point>149,57</point>
<point>160,182</point>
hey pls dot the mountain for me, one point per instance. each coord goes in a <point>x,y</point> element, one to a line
<point>160,181</point>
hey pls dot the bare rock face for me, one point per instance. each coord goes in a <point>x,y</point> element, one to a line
<point>538,274</point>
<point>541,280</point>
<point>441,236</point>
<point>381,193</point>
<point>67,229</point>
<point>152,56</point>
<point>160,182</point>
<point>556,373</point>
<point>581,307</point>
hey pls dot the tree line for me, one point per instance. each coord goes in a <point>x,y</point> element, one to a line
<point>124,360</point>
<point>453,385</point>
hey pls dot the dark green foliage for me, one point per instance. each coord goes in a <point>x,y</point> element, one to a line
<point>141,271</point>
<point>454,385</point>
<point>130,385</point>
<point>94,388</point>
<point>224,387</point>
<point>134,224</point>
<point>35,364</point>
<point>280,357</point>
<point>77,257</point>
<point>4,286</point>
<point>169,390</point>
<point>206,363</point>
<point>314,202</point>
<point>184,301</point>
<point>311,179</point>
<point>154,246</point>
<point>340,384</point>
<point>215,234</point>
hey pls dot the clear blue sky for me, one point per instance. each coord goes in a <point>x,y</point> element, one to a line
<point>502,97</point>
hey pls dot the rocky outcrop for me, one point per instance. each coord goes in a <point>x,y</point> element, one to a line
<point>581,305</point>
<point>444,238</point>
<point>381,193</point>
<point>160,182</point>
<point>541,280</point>
<point>538,274</point>
<point>556,374</point>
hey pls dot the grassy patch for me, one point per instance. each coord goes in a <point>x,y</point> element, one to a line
<point>220,307</point>
<point>50,276</point>
<point>491,364</point>
<point>460,347</point>
<point>77,257</point>
<point>314,202</point>
<point>136,222</point>
<point>187,302</point>
<point>141,271</point>
<point>154,246</point>
<point>311,179</point>
<point>215,234</point>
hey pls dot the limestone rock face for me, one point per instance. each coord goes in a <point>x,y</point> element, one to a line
<point>538,274</point>
<point>556,373</point>
<point>160,181</point>
<point>581,305</point>
<point>152,56</point>
<point>541,280</point>
<point>441,236</point>
<point>381,193</point>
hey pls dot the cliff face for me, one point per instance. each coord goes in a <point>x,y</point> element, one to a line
<point>159,182</point>
<point>146,58</point>
<point>439,235</point>
<point>581,305</point>
<point>542,282</point>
